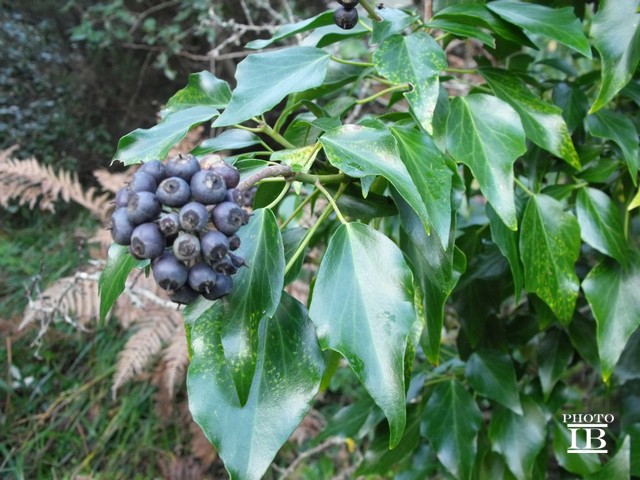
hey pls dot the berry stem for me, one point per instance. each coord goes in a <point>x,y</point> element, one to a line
<point>399,87</point>
<point>284,191</point>
<point>351,62</point>
<point>371,10</point>
<point>288,175</point>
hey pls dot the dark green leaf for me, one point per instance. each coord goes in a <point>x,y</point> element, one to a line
<point>416,59</point>
<point>493,375</point>
<point>291,238</point>
<point>549,248</point>
<point>227,140</point>
<point>264,79</point>
<point>616,35</point>
<point>559,24</point>
<point>393,21</point>
<point>354,206</point>
<point>461,29</point>
<point>364,151</point>
<point>620,129</point>
<point>362,307</point>
<point>451,421</point>
<point>507,242</point>
<point>203,89</point>
<point>542,121</point>
<point>601,224</point>
<point>486,134</point>
<point>519,438</point>
<point>619,466</point>
<point>612,292</point>
<point>323,36</point>
<point>285,31</point>
<point>574,104</point>
<point>554,354</point>
<point>114,276</point>
<point>287,376</point>
<point>574,463</point>
<point>353,421</point>
<point>431,173</point>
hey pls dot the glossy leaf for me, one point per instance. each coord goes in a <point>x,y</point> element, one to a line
<point>287,377</point>
<point>362,307</point>
<point>574,463</point>
<point>601,224</point>
<point>291,239</point>
<point>619,466</point>
<point>417,59</point>
<point>549,248</point>
<point>286,31</point>
<point>559,24</point>
<point>114,276</point>
<point>393,21</point>
<point>203,88</point>
<point>462,30</point>
<point>616,35</point>
<point>507,242</point>
<point>365,151</point>
<point>612,292</point>
<point>574,104</point>
<point>620,129</point>
<point>542,121</point>
<point>519,438</point>
<point>281,72</point>
<point>554,355</point>
<point>228,140</point>
<point>431,173</point>
<point>485,133</point>
<point>493,375</point>
<point>451,421</point>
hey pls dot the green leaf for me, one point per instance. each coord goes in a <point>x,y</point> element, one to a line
<point>549,248</point>
<point>616,35</point>
<point>601,224</point>
<point>153,143</point>
<point>485,133</point>
<point>432,175</point>
<point>574,104</point>
<point>451,421</point>
<point>114,276</point>
<point>554,354</point>
<point>574,463</point>
<point>417,59</point>
<point>228,140</point>
<point>461,29</point>
<point>203,88</point>
<point>559,24</point>
<point>286,31</point>
<point>542,121</point>
<point>619,466</point>
<point>620,129</point>
<point>493,375</point>
<point>612,292</point>
<point>291,239</point>
<point>264,79</point>
<point>362,307</point>
<point>507,242</point>
<point>393,21</point>
<point>519,438</point>
<point>287,377</point>
<point>364,151</point>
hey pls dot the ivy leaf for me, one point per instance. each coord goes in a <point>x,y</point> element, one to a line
<point>621,130</point>
<point>264,79</point>
<point>612,292</point>
<point>393,21</point>
<point>364,151</point>
<point>286,31</point>
<point>549,248</point>
<point>615,30</point>
<point>228,140</point>
<point>461,29</point>
<point>432,175</point>
<point>114,276</point>
<point>485,133</point>
<point>416,59</point>
<point>559,24</point>
<point>619,466</point>
<point>601,224</point>
<point>554,354</point>
<point>507,242</point>
<point>542,121</point>
<point>579,464</point>
<point>493,375</point>
<point>287,377</point>
<point>519,438</point>
<point>451,421</point>
<point>203,88</point>
<point>362,307</point>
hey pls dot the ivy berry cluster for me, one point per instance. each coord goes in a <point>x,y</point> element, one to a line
<point>183,216</point>
<point>346,15</point>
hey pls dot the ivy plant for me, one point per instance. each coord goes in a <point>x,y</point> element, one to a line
<point>469,235</point>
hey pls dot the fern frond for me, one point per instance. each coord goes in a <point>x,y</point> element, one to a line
<point>110,181</point>
<point>175,360</point>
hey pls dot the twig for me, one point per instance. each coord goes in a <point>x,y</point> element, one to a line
<point>267,172</point>
<point>428,10</point>
<point>328,443</point>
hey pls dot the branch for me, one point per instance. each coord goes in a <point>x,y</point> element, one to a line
<point>267,172</point>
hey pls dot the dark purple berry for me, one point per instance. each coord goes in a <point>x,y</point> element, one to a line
<point>169,224</point>
<point>214,245</point>
<point>234,242</point>
<point>186,247</point>
<point>349,3</point>
<point>194,217</point>
<point>146,241</point>
<point>183,166</point>
<point>184,295</point>
<point>121,227</point>
<point>142,207</point>
<point>208,187</point>
<point>223,286</point>
<point>228,217</point>
<point>173,192</point>
<point>236,196</point>
<point>225,267</point>
<point>345,18</point>
<point>202,278</point>
<point>122,197</point>
<point>237,261</point>
<point>143,182</point>
<point>230,174</point>
<point>169,272</point>
<point>155,168</point>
